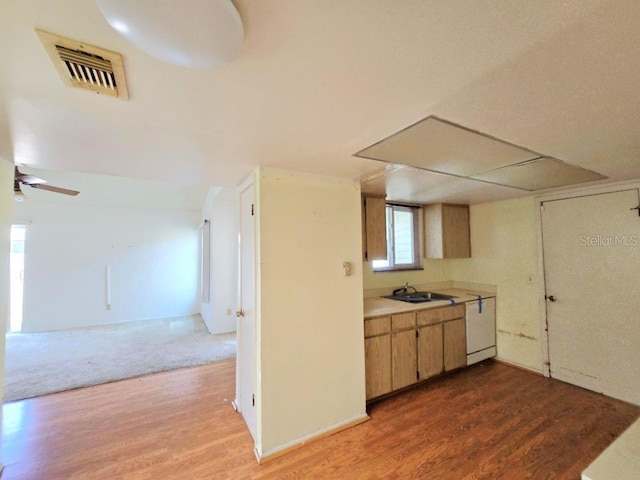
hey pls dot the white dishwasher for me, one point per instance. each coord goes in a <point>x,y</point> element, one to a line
<point>481,330</point>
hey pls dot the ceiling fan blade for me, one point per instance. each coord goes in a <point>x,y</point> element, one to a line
<point>28,179</point>
<point>51,188</point>
<point>31,180</point>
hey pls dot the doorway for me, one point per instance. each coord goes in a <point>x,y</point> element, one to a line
<point>246,366</point>
<point>16,285</point>
<point>591,247</point>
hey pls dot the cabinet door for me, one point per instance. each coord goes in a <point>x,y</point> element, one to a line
<point>446,231</point>
<point>455,231</point>
<point>404,359</point>
<point>376,228</point>
<point>455,344</point>
<point>430,351</point>
<point>377,353</point>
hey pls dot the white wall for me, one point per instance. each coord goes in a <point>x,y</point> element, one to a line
<point>221,209</point>
<point>435,271</point>
<point>153,256</point>
<point>504,250</point>
<point>311,365</point>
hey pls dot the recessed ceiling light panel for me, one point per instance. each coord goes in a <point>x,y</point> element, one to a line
<point>539,174</point>
<point>190,33</point>
<point>441,146</point>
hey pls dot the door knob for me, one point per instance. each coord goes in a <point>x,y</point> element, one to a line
<point>240,313</point>
<point>552,298</point>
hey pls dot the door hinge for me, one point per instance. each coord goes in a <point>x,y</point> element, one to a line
<point>417,333</point>
<point>417,374</point>
<point>253,400</point>
<point>252,209</point>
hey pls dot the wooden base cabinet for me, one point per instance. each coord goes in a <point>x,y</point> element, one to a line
<point>377,352</point>
<point>403,349</point>
<point>404,356</point>
<point>455,344</point>
<point>430,351</point>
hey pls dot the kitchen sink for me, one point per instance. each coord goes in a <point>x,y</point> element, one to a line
<point>419,297</point>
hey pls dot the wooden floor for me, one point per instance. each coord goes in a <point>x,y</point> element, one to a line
<point>489,421</point>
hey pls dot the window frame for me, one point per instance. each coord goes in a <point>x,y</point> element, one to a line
<point>416,211</point>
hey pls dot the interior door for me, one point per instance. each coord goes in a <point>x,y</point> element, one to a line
<point>246,360</point>
<point>591,250</point>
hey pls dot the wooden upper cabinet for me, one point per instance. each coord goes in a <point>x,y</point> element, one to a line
<point>374,228</point>
<point>446,231</point>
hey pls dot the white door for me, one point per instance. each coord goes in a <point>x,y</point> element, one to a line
<point>246,362</point>
<point>591,250</point>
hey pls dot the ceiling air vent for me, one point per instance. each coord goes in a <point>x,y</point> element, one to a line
<point>86,66</point>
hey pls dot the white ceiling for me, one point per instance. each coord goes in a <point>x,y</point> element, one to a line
<point>318,81</point>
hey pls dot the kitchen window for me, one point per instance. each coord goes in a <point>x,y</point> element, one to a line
<point>403,239</point>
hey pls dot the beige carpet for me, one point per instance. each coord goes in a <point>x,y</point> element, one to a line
<point>41,363</point>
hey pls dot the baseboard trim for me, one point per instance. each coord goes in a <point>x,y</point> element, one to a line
<point>296,444</point>
<point>519,367</point>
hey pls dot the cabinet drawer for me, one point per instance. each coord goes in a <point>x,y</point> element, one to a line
<point>377,326</point>
<point>403,320</point>
<point>450,313</point>
<point>429,317</point>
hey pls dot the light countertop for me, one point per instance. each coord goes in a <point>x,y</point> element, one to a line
<point>378,306</point>
<point>620,461</point>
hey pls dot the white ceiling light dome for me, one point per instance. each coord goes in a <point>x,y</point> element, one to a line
<point>189,33</point>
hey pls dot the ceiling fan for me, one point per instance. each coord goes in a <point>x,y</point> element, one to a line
<point>35,182</point>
